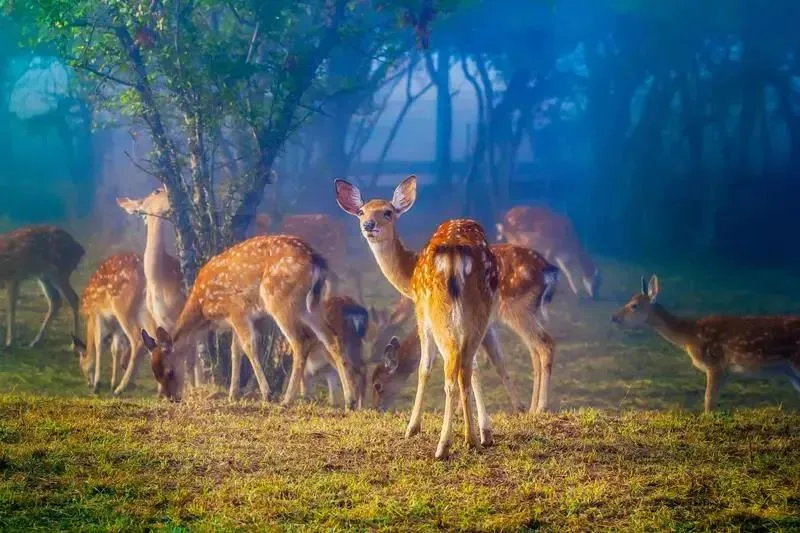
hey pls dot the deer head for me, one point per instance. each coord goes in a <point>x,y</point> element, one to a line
<point>165,364</point>
<point>386,384</point>
<point>86,362</point>
<point>385,324</point>
<point>377,218</point>
<point>638,308</point>
<point>155,204</point>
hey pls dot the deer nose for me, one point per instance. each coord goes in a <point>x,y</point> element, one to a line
<point>615,319</point>
<point>369,225</point>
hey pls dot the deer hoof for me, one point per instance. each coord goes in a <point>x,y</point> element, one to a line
<point>487,437</point>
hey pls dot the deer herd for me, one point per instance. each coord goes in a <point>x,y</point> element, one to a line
<point>458,288</point>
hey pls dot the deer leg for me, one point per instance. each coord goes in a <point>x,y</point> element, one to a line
<point>236,368</point>
<point>293,332</point>
<point>427,348</point>
<point>451,376</point>
<point>495,354</point>
<point>132,329</point>
<point>484,422</point>
<point>333,384</point>
<point>563,267</point>
<point>99,334</point>
<point>713,383</point>
<point>248,340</point>
<point>333,345</point>
<point>115,357</point>
<point>61,283</point>
<point>545,347</point>
<point>12,295</point>
<point>53,305</point>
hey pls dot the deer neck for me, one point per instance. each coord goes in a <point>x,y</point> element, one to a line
<point>396,262</point>
<point>155,252</point>
<point>675,330</point>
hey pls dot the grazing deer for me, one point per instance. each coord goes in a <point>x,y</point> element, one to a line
<point>350,321</point>
<point>325,234</point>
<point>554,237</point>
<point>113,304</point>
<point>358,328</point>
<point>48,254</point>
<point>718,344</point>
<point>526,285</point>
<point>276,275</point>
<point>453,283</point>
<point>165,296</point>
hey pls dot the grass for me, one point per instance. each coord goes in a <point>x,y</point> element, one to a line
<point>624,448</point>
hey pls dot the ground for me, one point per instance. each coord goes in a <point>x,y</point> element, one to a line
<point>625,445</point>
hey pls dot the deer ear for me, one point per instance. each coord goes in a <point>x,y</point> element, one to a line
<point>149,342</point>
<point>390,361</point>
<point>130,206</point>
<point>348,196</point>
<point>405,194</point>
<point>163,338</point>
<point>653,288</point>
<point>644,286</point>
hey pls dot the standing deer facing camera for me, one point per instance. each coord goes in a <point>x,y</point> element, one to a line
<point>719,344</point>
<point>554,237</point>
<point>48,254</point>
<point>453,283</point>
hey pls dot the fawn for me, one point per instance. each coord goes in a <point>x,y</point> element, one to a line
<point>357,327</point>
<point>554,236</point>
<point>325,234</point>
<point>276,275</point>
<point>165,296</point>
<point>113,305</point>
<point>718,344</point>
<point>48,254</point>
<point>526,285</point>
<point>453,283</point>
<point>350,321</point>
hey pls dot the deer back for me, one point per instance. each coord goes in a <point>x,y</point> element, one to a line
<point>32,250</point>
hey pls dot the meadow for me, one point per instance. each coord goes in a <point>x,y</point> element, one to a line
<point>625,445</point>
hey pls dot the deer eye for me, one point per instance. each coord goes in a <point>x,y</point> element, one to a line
<point>387,214</point>
<point>634,306</point>
<point>360,212</point>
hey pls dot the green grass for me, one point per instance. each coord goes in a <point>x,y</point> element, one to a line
<point>625,447</point>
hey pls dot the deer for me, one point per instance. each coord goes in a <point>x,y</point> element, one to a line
<point>719,345</point>
<point>527,284</point>
<point>453,284</point>
<point>324,233</point>
<point>113,306</point>
<point>554,236</point>
<point>272,275</point>
<point>359,328</point>
<point>165,295</point>
<point>48,254</point>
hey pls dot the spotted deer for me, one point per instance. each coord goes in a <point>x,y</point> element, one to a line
<point>453,283</point>
<point>274,275</point>
<point>165,296</point>
<point>526,285</point>
<point>359,329</point>
<point>718,344</point>
<point>48,254</point>
<point>325,234</point>
<point>113,305</point>
<point>554,237</point>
